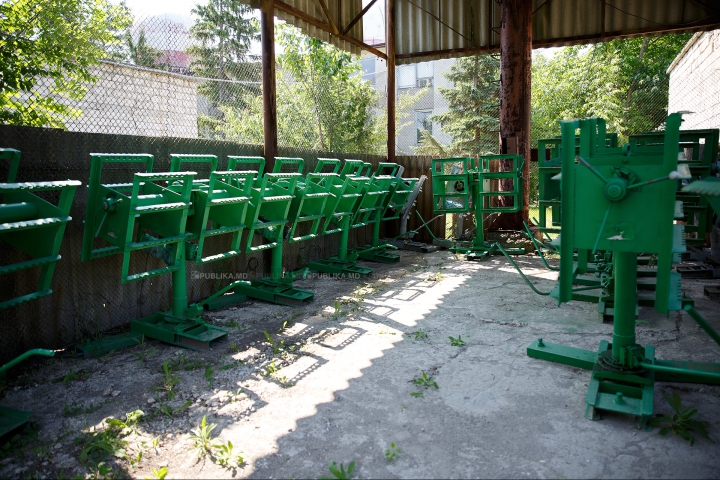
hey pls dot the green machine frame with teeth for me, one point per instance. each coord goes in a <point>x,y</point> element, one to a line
<point>36,227</point>
<point>281,201</point>
<point>151,215</point>
<point>464,185</point>
<point>626,205</point>
<point>399,191</point>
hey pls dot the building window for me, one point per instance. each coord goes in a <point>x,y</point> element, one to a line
<point>423,123</point>
<point>425,74</point>
<point>368,69</point>
<point>406,76</point>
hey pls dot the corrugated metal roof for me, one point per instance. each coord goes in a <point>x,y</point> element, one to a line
<point>431,29</point>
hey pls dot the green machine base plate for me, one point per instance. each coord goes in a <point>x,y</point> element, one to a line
<point>11,419</point>
<point>104,345</point>
<point>187,332</point>
<point>282,293</point>
<point>342,268</point>
<point>381,256</point>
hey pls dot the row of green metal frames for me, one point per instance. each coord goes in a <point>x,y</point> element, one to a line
<point>34,226</point>
<point>624,201</point>
<point>477,185</point>
<point>170,216</point>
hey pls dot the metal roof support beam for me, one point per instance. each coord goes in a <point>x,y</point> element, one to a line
<point>515,69</point>
<point>358,17</point>
<point>325,10</point>
<point>267,41</point>
<point>390,49</point>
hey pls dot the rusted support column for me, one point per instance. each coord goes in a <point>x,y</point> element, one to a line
<point>390,51</point>
<point>267,40</point>
<point>515,69</point>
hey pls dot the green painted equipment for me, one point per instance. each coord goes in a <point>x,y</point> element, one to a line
<point>34,226</point>
<point>167,215</point>
<point>279,199</point>
<point>622,201</point>
<point>469,185</point>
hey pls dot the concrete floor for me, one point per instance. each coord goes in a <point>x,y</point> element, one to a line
<point>496,412</point>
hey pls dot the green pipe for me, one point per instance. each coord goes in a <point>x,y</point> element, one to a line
<point>479,239</point>
<point>17,212</point>
<point>375,234</point>
<point>549,245</point>
<point>29,353</point>
<point>344,234</point>
<point>425,225</point>
<point>537,248</point>
<point>702,323</point>
<point>625,302</point>
<point>276,268</point>
<point>680,371</point>
<point>520,271</point>
<point>179,284</point>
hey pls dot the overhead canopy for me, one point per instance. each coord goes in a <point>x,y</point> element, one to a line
<point>431,29</point>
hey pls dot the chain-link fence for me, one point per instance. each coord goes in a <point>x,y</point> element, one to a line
<point>192,84</point>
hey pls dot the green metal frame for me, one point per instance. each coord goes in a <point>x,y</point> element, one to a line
<point>464,185</point>
<point>626,205</point>
<point>33,225</point>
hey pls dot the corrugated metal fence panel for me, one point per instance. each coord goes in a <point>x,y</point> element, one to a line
<point>87,297</point>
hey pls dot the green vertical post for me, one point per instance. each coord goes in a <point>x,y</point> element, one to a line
<point>344,235</point>
<point>567,187</point>
<point>276,268</point>
<point>479,238</point>
<point>179,283</point>
<point>625,301</point>
<point>375,234</point>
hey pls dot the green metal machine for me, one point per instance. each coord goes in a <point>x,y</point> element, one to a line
<point>623,201</point>
<point>35,227</point>
<point>465,185</point>
<point>168,216</point>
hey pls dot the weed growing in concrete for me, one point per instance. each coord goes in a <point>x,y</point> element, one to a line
<point>169,382</point>
<point>338,310</point>
<point>169,411</point>
<point>158,474</point>
<point>183,362</point>
<point>271,369</point>
<point>425,381</point>
<point>226,456</point>
<point>284,382</point>
<point>204,445</point>
<point>96,446</point>
<point>72,376</point>
<point>681,422</point>
<point>277,347</point>
<point>457,342</point>
<point>209,376</point>
<point>416,394</point>
<point>340,473</point>
<point>420,335</point>
<point>202,439</point>
<point>391,453</point>
<point>78,409</point>
<point>145,351</point>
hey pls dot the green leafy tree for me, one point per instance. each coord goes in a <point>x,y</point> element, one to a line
<point>623,81</point>
<point>141,53</point>
<point>473,105</point>
<point>323,103</point>
<point>225,31</point>
<point>56,43</point>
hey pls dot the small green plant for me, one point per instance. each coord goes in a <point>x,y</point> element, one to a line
<point>183,362</point>
<point>284,382</point>
<point>340,473</point>
<point>209,376</point>
<point>73,376</point>
<point>169,381</point>
<point>144,352</point>
<point>457,342</point>
<point>169,411</point>
<point>201,438</point>
<point>277,347</point>
<point>96,446</point>
<point>425,381</point>
<point>229,366</point>
<point>129,424</point>
<point>158,474</point>
<point>391,453</point>
<point>420,335</point>
<point>271,369</point>
<point>235,396</point>
<point>225,455</point>
<point>682,422</point>
<point>416,394</point>
<point>338,310</point>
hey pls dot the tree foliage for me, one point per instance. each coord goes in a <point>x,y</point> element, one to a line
<point>57,41</point>
<point>224,31</point>
<point>623,81</point>
<point>471,118</point>
<point>141,53</point>
<point>323,103</point>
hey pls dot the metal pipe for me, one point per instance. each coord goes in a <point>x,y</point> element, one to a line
<point>29,353</point>
<point>680,371</point>
<point>702,323</point>
<point>625,302</point>
<point>179,284</point>
<point>276,269</point>
<point>17,212</point>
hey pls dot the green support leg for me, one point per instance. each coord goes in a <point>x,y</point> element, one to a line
<point>344,264</point>
<point>377,252</point>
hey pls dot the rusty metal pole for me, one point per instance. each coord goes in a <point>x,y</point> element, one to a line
<point>515,70</point>
<point>390,51</point>
<point>267,40</point>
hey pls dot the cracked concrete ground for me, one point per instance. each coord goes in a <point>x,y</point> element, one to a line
<point>344,391</point>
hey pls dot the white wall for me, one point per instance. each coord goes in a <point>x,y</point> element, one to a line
<point>695,82</point>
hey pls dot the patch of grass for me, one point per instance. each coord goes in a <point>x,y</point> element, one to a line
<point>98,445</point>
<point>229,366</point>
<point>391,453</point>
<point>209,376</point>
<point>169,411</point>
<point>169,381</point>
<point>204,445</point>
<point>417,394</point>
<point>78,409</point>
<point>226,455</point>
<point>425,381</point>
<point>73,376</point>
<point>340,473</point>
<point>682,422</point>
<point>277,347</point>
<point>183,362</point>
<point>420,335</point>
<point>457,342</point>
<point>145,351</point>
